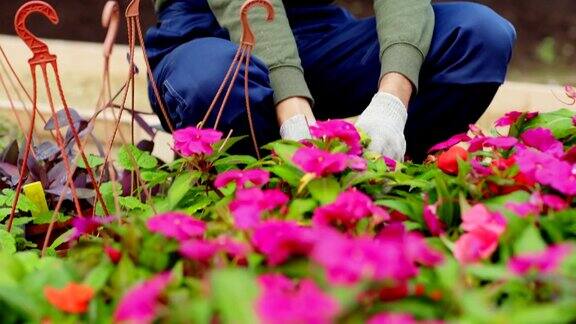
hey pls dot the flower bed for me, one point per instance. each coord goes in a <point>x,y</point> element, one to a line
<point>316,232</point>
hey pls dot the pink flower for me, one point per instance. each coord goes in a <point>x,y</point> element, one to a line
<point>87,225</point>
<point>357,163</point>
<point>484,230</point>
<point>505,143</point>
<point>547,170</point>
<point>480,218</point>
<point>198,250</point>
<point>543,140</point>
<point>249,205</point>
<point>279,240</point>
<point>234,249</point>
<point>390,163</point>
<point>256,177</point>
<point>475,246</point>
<point>513,116</point>
<point>414,244</point>
<point>140,303</point>
<point>433,222</point>
<point>544,262</point>
<point>347,210</point>
<point>393,255</point>
<point>480,169</point>
<point>285,302</point>
<point>392,318</point>
<point>538,204</point>
<point>319,162</point>
<point>193,141</point>
<point>508,119</point>
<point>178,226</point>
<point>454,140</point>
<point>339,129</point>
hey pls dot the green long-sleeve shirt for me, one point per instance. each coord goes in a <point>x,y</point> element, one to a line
<point>405,29</point>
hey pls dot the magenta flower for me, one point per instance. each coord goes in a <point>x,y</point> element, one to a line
<point>285,302</point>
<point>543,140</point>
<point>347,210</point>
<point>413,244</point>
<point>198,250</point>
<point>339,129</point>
<point>140,303</point>
<point>513,116</point>
<point>435,226</point>
<point>175,225</point>
<point>87,225</point>
<point>256,177</point>
<point>319,162</point>
<point>454,140</point>
<point>538,204</point>
<point>390,163</point>
<point>508,119</point>
<point>249,205</point>
<point>475,246</point>
<point>234,249</point>
<point>480,169</point>
<point>547,170</point>
<point>194,141</point>
<point>279,240</point>
<point>544,262</point>
<point>349,260</point>
<point>480,218</point>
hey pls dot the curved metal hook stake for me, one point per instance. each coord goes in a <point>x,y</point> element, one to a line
<point>133,9</point>
<point>110,20</point>
<point>247,35</point>
<point>38,47</point>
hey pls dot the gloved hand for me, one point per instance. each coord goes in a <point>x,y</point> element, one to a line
<point>297,128</point>
<point>384,121</point>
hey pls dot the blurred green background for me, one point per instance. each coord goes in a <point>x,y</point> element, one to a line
<point>546,50</point>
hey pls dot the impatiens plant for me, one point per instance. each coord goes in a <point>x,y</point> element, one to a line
<point>321,231</point>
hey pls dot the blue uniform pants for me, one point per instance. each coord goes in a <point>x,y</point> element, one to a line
<point>470,51</point>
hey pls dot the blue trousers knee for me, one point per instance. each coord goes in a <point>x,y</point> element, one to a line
<point>467,62</point>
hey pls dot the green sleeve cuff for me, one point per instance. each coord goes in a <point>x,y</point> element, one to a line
<point>288,82</point>
<point>403,58</point>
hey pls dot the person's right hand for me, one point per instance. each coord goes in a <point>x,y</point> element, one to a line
<point>295,117</point>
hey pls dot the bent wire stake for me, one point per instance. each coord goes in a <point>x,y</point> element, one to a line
<point>242,56</point>
<point>43,58</point>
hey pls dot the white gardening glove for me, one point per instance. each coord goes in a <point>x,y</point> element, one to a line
<point>297,128</point>
<point>384,121</point>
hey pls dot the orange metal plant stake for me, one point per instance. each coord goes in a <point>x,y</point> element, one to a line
<point>43,58</point>
<point>242,56</point>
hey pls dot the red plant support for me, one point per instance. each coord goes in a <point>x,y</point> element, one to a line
<point>43,58</point>
<point>242,57</point>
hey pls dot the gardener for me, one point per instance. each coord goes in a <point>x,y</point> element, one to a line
<point>416,73</point>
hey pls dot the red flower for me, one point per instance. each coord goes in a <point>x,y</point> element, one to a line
<point>448,161</point>
<point>113,254</point>
<point>73,298</point>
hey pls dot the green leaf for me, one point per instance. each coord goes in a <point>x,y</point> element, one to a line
<point>93,161</point>
<point>46,218</point>
<point>98,277</point>
<point>299,207</point>
<point>287,173</point>
<point>530,241</point>
<point>234,292</point>
<point>180,187</point>
<point>234,160</point>
<point>488,271</point>
<point>7,242</point>
<point>129,154</point>
<point>21,302</point>
<point>154,177</point>
<point>559,122</point>
<point>132,203</point>
<point>325,190</point>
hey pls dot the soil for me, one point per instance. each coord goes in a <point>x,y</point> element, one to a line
<point>535,20</point>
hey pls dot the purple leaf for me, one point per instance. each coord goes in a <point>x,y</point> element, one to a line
<point>62,119</point>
